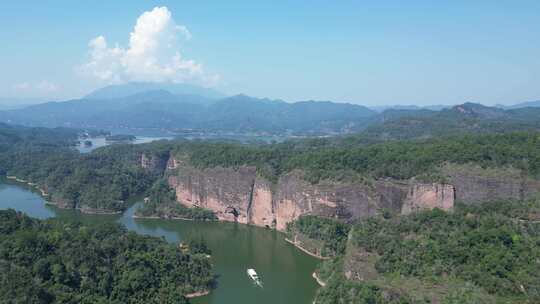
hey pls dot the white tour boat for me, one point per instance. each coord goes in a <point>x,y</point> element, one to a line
<point>253,275</point>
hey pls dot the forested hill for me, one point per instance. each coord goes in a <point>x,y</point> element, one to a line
<point>482,254</point>
<point>466,118</point>
<point>103,181</point>
<point>57,262</point>
<point>342,160</point>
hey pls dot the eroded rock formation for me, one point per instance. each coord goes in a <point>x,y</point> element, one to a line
<point>428,196</point>
<point>243,196</point>
<point>153,162</point>
<point>474,184</point>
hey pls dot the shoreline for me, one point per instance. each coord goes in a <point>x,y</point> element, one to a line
<point>319,281</point>
<point>154,217</point>
<point>45,195</point>
<point>307,251</point>
<point>85,211</point>
<point>22,181</point>
<point>197,294</point>
<point>96,211</point>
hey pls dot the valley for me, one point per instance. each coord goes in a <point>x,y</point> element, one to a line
<point>234,248</point>
<point>269,152</point>
<point>314,194</point>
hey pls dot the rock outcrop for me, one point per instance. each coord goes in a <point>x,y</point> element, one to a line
<point>428,196</point>
<point>154,162</point>
<point>225,191</point>
<point>243,196</point>
<point>474,184</point>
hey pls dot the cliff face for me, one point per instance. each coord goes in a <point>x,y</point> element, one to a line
<point>428,196</point>
<point>225,191</point>
<point>241,195</point>
<point>475,184</point>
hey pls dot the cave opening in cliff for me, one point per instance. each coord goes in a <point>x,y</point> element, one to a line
<point>232,211</point>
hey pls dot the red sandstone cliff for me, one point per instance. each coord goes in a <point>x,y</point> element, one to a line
<point>243,196</point>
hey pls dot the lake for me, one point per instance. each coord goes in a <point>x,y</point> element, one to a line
<point>101,142</point>
<point>285,271</point>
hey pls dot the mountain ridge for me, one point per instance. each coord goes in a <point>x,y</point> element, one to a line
<point>131,88</point>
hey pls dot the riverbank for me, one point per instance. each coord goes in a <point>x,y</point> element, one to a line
<point>234,248</point>
<point>319,281</point>
<point>20,180</point>
<point>97,211</point>
<point>197,294</point>
<point>306,251</point>
<point>155,217</point>
<point>45,195</point>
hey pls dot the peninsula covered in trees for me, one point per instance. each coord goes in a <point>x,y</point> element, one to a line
<point>51,261</point>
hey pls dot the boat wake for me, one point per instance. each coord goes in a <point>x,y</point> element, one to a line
<point>253,275</point>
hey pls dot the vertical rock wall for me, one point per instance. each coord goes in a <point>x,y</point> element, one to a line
<point>241,195</point>
<point>428,196</point>
<point>474,184</point>
<point>261,209</point>
<point>225,191</point>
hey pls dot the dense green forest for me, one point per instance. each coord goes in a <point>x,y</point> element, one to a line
<point>106,178</point>
<point>100,181</point>
<point>331,233</point>
<point>345,159</point>
<point>66,262</point>
<point>488,253</point>
<point>467,118</point>
<point>161,202</point>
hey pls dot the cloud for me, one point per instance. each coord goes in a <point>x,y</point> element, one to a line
<point>153,54</point>
<point>47,86</point>
<point>42,86</point>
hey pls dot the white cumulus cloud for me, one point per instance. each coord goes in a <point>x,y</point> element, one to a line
<point>153,54</point>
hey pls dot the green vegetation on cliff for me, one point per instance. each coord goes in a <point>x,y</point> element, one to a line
<point>57,262</point>
<point>476,254</point>
<point>330,235</point>
<point>320,159</point>
<point>161,202</point>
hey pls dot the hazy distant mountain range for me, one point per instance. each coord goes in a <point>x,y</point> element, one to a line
<point>533,104</point>
<point>459,119</point>
<point>180,108</point>
<point>12,103</point>
<point>132,88</point>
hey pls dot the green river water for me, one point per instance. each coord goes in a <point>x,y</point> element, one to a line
<point>285,271</point>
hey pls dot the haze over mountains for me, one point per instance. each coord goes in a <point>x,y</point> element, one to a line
<point>181,108</point>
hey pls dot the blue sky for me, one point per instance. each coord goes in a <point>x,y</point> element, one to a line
<point>399,52</point>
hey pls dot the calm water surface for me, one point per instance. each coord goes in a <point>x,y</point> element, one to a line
<point>285,271</point>
<point>101,142</point>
